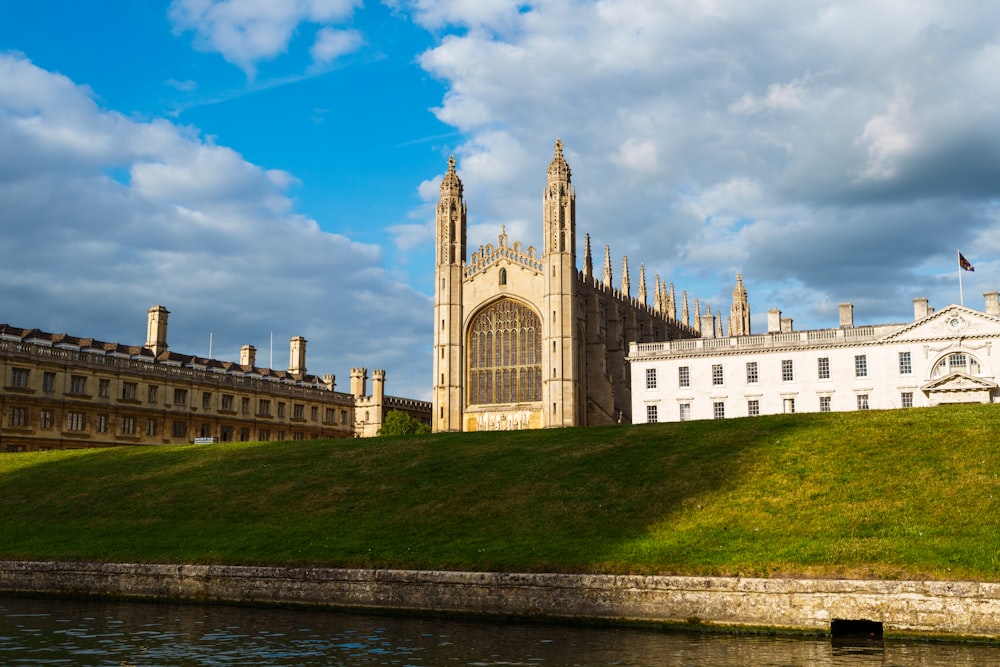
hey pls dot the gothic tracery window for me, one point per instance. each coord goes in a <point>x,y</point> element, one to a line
<point>505,355</point>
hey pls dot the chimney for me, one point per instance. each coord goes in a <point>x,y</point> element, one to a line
<point>992,303</point>
<point>774,321</point>
<point>156,330</point>
<point>330,380</point>
<point>297,355</point>
<point>920,308</point>
<point>248,356</point>
<point>708,325</point>
<point>786,325</point>
<point>847,316</point>
<point>359,382</point>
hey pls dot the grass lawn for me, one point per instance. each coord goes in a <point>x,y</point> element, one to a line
<point>888,494</point>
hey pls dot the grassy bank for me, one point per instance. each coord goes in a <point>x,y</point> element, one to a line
<point>898,494</point>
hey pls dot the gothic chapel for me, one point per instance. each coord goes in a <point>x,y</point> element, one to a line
<point>523,340</point>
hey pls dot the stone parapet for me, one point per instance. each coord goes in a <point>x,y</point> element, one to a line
<point>942,608</point>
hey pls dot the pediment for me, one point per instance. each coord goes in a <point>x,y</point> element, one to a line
<point>948,323</point>
<point>959,382</point>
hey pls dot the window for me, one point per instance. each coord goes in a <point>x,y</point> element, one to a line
<point>330,416</point>
<point>263,435</point>
<point>245,406</point>
<point>104,388</point>
<point>179,429</point>
<point>280,435</point>
<point>298,411</point>
<point>264,407</point>
<point>862,401</point>
<point>505,355</point>
<point>226,434</point>
<point>150,427</point>
<point>503,276</point>
<point>343,417</point>
<point>956,362</point>
<point>787,370</point>
<point>76,421</point>
<point>651,414</point>
<point>128,426</point>
<point>206,400</point>
<point>17,417</point>
<point>860,366</point>
<point>45,419</point>
<point>718,410</point>
<point>752,377</point>
<point>48,382</point>
<point>227,402</point>
<point>19,378</point>
<point>77,384</point>
<point>314,413</point>
<point>281,409</point>
<point>650,378</point>
<point>824,404</point>
<point>205,431</point>
<point>129,390</point>
<point>151,394</point>
<point>244,434</point>
<point>906,399</point>
<point>905,365</point>
<point>102,423</point>
<point>717,377</point>
<point>685,411</point>
<point>788,405</point>
<point>753,407</point>
<point>683,376</point>
<point>180,396</point>
<point>824,368</point>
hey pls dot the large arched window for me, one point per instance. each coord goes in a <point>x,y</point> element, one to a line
<point>956,362</point>
<point>505,355</point>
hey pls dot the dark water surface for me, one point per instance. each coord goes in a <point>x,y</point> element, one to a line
<point>89,632</point>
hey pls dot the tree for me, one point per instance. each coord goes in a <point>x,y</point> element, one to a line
<point>400,423</point>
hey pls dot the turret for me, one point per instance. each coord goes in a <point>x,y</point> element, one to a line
<point>156,330</point>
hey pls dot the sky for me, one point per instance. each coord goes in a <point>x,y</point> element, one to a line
<point>269,168</point>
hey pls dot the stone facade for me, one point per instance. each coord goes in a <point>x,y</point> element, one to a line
<point>948,356</point>
<point>525,339</point>
<point>64,392</point>
<point>957,609</point>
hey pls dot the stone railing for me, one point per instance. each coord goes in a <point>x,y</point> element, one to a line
<point>760,341</point>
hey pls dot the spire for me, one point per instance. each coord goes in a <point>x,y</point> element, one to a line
<point>625,284</point>
<point>607,266</point>
<point>451,184</point>
<point>588,263</point>
<point>558,169</point>
<point>697,316</point>
<point>739,313</point>
<point>503,236</point>
<point>642,284</point>
<point>672,304</point>
<point>559,206</point>
<point>657,304</point>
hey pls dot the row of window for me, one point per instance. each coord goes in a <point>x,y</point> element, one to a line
<point>130,392</point>
<point>20,417</point>
<point>753,407</point>
<point>822,369</point>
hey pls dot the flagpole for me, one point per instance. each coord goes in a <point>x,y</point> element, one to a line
<point>961,296</point>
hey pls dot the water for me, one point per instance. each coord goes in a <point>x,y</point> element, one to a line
<point>120,634</point>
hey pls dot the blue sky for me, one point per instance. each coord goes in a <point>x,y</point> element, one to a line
<point>266,166</point>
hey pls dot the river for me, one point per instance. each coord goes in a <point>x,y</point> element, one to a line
<point>48,631</point>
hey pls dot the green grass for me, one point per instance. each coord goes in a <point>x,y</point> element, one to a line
<point>894,494</point>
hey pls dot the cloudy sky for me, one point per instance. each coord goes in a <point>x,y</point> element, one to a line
<point>269,167</point>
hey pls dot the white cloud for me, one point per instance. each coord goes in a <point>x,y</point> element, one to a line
<point>331,44</point>
<point>246,32</point>
<point>194,226</point>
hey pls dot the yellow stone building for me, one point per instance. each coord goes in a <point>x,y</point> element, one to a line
<point>524,339</point>
<point>65,392</point>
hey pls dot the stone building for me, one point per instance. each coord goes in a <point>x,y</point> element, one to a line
<point>526,339</point>
<point>66,392</point>
<point>948,356</point>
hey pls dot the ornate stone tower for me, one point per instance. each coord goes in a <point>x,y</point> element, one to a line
<point>739,313</point>
<point>560,362</point>
<point>449,352</point>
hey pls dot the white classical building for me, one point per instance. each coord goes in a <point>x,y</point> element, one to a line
<point>946,356</point>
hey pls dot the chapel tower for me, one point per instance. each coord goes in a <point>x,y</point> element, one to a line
<point>449,350</point>
<point>739,313</point>
<point>560,354</point>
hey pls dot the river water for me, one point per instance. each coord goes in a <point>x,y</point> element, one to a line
<point>120,634</point>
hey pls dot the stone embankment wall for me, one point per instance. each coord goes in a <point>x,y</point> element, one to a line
<point>959,609</point>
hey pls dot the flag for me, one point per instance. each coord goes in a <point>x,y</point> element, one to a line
<point>964,263</point>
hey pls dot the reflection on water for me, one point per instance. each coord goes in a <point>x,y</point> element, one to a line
<point>88,632</point>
